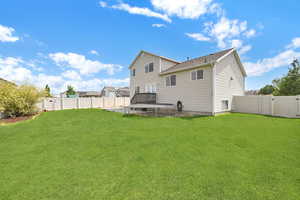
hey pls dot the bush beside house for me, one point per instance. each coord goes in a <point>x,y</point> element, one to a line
<point>18,101</point>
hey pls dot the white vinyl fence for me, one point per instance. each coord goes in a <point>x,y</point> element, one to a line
<point>50,104</point>
<point>283,106</point>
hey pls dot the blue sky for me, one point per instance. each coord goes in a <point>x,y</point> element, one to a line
<point>91,43</point>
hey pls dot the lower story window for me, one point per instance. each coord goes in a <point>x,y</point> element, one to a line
<point>171,80</point>
<point>225,104</point>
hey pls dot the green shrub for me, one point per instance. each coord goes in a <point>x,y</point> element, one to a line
<point>19,100</point>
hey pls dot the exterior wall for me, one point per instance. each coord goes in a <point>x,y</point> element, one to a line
<point>141,78</point>
<point>195,95</point>
<point>225,88</point>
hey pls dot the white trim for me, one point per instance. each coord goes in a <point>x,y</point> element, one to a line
<point>213,89</point>
<point>224,56</point>
<point>196,71</point>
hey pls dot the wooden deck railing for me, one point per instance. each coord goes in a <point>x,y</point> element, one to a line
<point>144,98</point>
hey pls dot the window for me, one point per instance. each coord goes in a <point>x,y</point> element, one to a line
<point>225,104</point>
<point>171,80</point>
<point>197,75</point>
<point>168,81</point>
<point>194,75</point>
<point>146,68</point>
<point>149,67</point>
<point>133,72</point>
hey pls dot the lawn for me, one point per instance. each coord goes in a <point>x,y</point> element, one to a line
<point>94,155</point>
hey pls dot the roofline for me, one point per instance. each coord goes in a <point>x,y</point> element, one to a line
<point>142,51</point>
<point>238,60</point>
<point>187,69</point>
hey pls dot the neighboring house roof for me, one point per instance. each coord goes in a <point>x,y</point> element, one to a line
<point>141,52</point>
<point>88,93</point>
<point>119,92</point>
<point>200,61</point>
<point>123,92</point>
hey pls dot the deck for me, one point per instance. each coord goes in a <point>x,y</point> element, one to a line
<point>154,108</point>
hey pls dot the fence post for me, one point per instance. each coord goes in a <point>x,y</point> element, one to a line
<point>272,105</point>
<point>43,105</point>
<point>61,103</point>
<point>115,101</point>
<point>91,99</point>
<point>77,103</point>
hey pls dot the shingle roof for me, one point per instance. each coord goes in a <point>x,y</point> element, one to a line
<point>200,61</point>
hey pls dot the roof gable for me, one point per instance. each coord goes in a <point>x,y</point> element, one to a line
<point>145,52</point>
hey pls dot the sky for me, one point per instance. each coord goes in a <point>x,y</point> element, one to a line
<point>90,43</point>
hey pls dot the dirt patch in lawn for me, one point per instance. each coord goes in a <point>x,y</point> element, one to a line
<point>16,119</point>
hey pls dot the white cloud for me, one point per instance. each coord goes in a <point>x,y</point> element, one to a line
<point>245,49</point>
<point>198,36</point>
<point>225,29</point>
<point>250,33</point>
<point>189,9</point>
<point>158,25</point>
<point>295,43</point>
<point>15,69</point>
<point>71,74</point>
<point>94,52</point>
<point>6,34</point>
<point>140,11</point>
<point>103,4</point>
<point>85,66</point>
<point>267,64</point>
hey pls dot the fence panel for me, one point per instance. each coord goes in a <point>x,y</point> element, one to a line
<point>75,103</point>
<point>284,106</point>
<point>69,103</point>
<point>84,102</point>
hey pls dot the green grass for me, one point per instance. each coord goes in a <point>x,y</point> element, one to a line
<point>93,154</point>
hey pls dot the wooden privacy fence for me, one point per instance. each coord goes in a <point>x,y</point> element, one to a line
<point>282,106</point>
<point>88,102</point>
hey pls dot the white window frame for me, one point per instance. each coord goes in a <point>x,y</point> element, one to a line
<point>133,72</point>
<point>169,77</point>
<point>147,67</point>
<point>196,73</point>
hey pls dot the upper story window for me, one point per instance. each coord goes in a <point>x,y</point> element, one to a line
<point>133,72</point>
<point>171,80</point>
<point>197,75</point>
<point>149,67</point>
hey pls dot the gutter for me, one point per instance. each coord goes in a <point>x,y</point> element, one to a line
<point>186,69</point>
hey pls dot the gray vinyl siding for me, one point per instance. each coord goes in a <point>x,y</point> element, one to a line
<point>141,78</point>
<point>195,95</point>
<point>225,88</point>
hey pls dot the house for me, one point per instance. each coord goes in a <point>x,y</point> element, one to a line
<point>115,92</point>
<point>82,94</point>
<point>204,85</point>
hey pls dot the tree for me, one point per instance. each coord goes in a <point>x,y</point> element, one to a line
<point>289,85</point>
<point>47,91</point>
<point>267,90</point>
<point>70,91</point>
